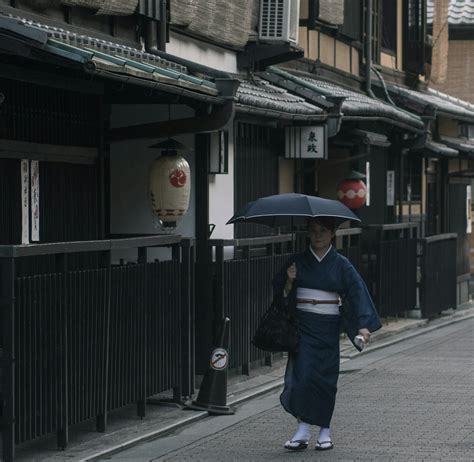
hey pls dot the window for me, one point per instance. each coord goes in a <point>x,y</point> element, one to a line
<point>414,31</point>
<point>412,179</point>
<point>352,26</point>
<point>466,130</point>
<point>389,25</point>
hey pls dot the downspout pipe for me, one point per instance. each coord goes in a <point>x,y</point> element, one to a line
<point>368,48</point>
<point>152,46</point>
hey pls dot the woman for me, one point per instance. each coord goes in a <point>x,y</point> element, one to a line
<point>315,283</point>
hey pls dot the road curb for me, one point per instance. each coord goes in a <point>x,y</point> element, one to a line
<point>273,385</point>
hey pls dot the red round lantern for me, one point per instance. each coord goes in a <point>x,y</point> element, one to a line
<point>352,193</point>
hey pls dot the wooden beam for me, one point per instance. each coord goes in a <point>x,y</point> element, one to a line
<point>215,120</point>
<point>47,152</point>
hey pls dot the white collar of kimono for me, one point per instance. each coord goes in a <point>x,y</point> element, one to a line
<point>320,259</point>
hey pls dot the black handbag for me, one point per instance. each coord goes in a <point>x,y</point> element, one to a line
<point>278,328</point>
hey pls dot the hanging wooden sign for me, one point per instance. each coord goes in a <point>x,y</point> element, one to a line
<point>306,142</point>
<point>25,201</point>
<point>35,209</point>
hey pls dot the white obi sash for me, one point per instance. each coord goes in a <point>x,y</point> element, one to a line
<point>316,295</point>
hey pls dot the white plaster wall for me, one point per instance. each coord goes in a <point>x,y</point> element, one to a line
<point>221,194</point>
<point>130,163</point>
<point>202,53</point>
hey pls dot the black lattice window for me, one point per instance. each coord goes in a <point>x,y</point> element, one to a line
<point>256,169</point>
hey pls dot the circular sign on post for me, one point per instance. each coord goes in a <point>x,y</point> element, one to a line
<point>219,359</point>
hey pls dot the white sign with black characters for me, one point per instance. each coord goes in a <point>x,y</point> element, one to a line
<point>25,201</point>
<point>390,187</point>
<point>468,209</point>
<point>35,209</point>
<point>367,183</point>
<point>306,142</point>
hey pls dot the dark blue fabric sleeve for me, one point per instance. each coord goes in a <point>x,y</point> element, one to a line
<point>362,312</point>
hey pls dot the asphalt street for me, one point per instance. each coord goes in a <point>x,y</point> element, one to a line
<point>411,401</point>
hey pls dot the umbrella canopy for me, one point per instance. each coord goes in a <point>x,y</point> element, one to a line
<point>291,209</point>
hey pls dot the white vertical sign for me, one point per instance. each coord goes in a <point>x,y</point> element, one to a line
<point>25,201</point>
<point>468,209</point>
<point>367,183</point>
<point>35,192</point>
<point>306,142</point>
<point>390,187</point>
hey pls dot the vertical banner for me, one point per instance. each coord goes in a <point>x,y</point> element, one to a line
<point>390,187</point>
<point>35,192</point>
<point>468,209</point>
<point>367,183</point>
<point>25,201</point>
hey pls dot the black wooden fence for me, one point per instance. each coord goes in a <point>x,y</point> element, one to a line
<point>243,290</point>
<point>77,344</point>
<point>389,258</point>
<point>438,274</point>
<point>347,242</point>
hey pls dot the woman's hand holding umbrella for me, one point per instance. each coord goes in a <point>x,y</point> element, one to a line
<point>291,276</point>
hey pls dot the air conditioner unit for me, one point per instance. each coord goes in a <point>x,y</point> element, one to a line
<point>279,21</point>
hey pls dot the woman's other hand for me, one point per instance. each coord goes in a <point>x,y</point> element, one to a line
<point>365,333</point>
<point>291,276</point>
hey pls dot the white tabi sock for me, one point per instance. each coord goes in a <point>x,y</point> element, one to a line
<point>324,435</point>
<point>303,432</point>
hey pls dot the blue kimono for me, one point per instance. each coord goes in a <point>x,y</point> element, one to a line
<point>312,373</point>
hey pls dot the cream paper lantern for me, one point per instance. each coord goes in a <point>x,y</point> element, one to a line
<point>170,183</point>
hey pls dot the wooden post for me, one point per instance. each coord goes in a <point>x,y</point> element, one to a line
<point>141,401</point>
<point>101,418</point>
<point>63,408</point>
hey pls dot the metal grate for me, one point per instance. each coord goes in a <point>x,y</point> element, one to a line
<point>272,17</point>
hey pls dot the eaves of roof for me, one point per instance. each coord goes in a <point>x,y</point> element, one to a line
<point>436,149</point>
<point>463,146</point>
<point>422,101</point>
<point>355,106</point>
<point>105,59</point>
<point>259,97</point>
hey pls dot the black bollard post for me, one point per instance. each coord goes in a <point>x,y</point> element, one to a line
<point>212,395</point>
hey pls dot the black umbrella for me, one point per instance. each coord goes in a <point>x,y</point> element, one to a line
<point>291,209</point>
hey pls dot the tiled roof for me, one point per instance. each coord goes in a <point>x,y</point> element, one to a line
<point>439,149</point>
<point>444,103</point>
<point>80,40</point>
<point>460,12</point>
<point>108,59</point>
<point>464,146</point>
<point>260,94</point>
<point>355,103</point>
